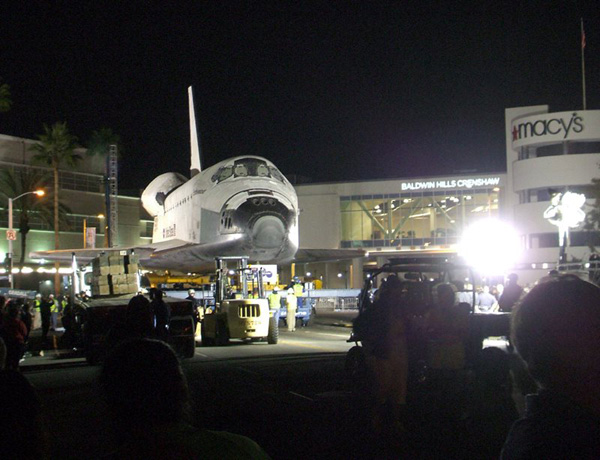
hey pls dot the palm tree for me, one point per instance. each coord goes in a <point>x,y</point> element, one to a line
<point>5,100</point>
<point>101,140</point>
<point>14,183</point>
<point>56,148</point>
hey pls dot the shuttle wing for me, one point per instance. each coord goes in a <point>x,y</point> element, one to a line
<point>178,256</point>
<point>144,252</point>
<point>327,255</point>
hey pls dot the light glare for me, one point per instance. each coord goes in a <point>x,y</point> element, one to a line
<point>490,246</point>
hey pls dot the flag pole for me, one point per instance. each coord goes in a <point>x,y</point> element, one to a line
<point>583,64</point>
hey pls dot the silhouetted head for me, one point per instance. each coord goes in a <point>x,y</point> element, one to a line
<point>139,312</point>
<point>138,304</point>
<point>158,295</point>
<point>556,330</point>
<point>24,432</point>
<point>389,287</point>
<point>143,385</point>
<point>14,309</point>
<point>513,278</point>
<point>446,295</point>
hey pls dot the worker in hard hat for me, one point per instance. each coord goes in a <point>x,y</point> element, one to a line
<point>298,291</point>
<point>197,316</point>
<point>37,316</point>
<point>274,299</point>
<point>291,303</point>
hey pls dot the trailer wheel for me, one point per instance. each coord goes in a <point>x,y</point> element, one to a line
<point>190,349</point>
<point>356,365</point>
<point>206,341</point>
<point>273,336</point>
<point>222,335</point>
<point>92,358</point>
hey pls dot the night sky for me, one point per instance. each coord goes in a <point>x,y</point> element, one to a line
<point>333,90</point>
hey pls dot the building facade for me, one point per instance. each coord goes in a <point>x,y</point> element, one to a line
<point>548,153</point>
<point>82,191</point>
<point>387,218</point>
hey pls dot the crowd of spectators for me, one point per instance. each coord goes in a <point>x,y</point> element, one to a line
<point>15,326</point>
<point>555,331</point>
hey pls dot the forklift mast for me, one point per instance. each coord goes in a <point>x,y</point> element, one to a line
<point>223,271</point>
<point>246,276</point>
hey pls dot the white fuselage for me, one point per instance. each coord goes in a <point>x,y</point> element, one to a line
<point>242,207</point>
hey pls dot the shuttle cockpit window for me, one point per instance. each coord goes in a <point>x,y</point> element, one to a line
<point>240,170</point>
<point>223,173</point>
<point>262,170</point>
<point>276,174</point>
<point>248,167</point>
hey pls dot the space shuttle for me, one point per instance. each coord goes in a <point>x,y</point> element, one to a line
<point>240,207</point>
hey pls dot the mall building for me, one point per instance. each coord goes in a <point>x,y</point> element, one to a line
<point>389,218</point>
<point>546,153</point>
<point>82,191</point>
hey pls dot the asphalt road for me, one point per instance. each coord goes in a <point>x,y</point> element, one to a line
<point>288,397</point>
<point>293,398</point>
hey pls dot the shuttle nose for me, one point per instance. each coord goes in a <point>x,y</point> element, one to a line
<point>268,232</point>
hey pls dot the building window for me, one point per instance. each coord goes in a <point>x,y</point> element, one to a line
<point>549,150</point>
<point>576,239</point>
<point>545,194</point>
<point>147,228</point>
<point>413,219</point>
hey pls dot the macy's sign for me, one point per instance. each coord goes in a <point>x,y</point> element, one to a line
<point>551,126</point>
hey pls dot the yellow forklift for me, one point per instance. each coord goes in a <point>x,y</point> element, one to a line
<point>235,315</point>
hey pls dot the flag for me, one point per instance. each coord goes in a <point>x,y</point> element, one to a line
<point>90,237</point>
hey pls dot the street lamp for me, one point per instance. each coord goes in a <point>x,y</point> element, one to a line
<point>11,235</point>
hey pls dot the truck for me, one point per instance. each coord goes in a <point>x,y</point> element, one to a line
<point>236,316</point>
<point>419,276</point>
<point>112,281</point>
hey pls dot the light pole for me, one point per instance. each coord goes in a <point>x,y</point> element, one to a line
<point>11,234</point>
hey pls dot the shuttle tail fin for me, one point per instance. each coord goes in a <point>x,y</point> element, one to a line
<point>195,165</point>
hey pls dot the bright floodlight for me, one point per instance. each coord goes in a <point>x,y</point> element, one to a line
<point>490,246</point>
<point>40,192</point>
